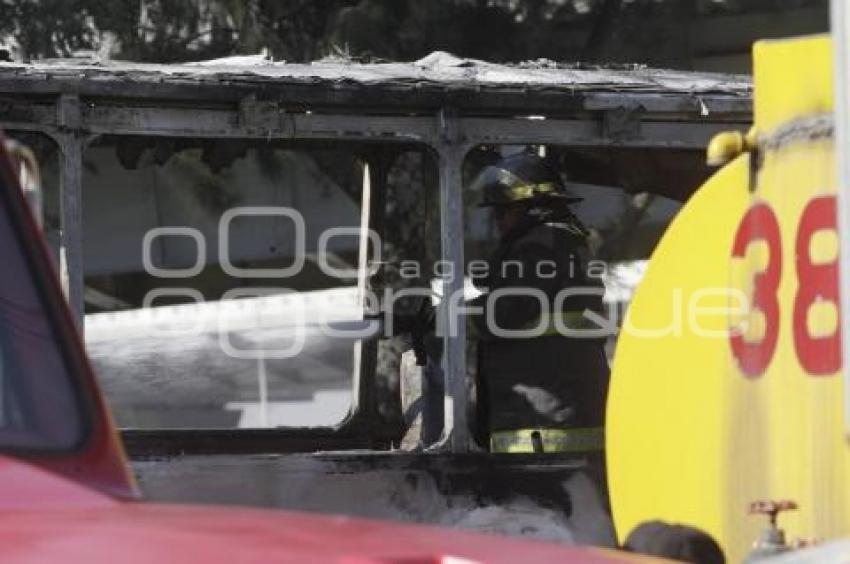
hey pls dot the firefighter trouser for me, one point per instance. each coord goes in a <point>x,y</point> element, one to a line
<point>586,439</point>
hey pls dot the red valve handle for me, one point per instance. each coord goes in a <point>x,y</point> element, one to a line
<point>772,508</point>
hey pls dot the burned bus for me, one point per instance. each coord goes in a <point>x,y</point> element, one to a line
<point>227,230</point>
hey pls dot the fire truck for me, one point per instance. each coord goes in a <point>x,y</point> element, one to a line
<point>703,429</point>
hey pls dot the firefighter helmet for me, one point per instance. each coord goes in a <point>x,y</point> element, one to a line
<point>518,178</point>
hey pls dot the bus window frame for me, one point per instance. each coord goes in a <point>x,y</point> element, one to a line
<point>446,133</point>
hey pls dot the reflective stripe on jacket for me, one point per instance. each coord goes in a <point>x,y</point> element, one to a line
<point>586,439</point>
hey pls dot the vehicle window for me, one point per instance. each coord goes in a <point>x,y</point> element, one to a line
<point>225,281</point>
<point>38,406</point>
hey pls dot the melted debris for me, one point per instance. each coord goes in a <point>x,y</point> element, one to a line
<point>438,69</point>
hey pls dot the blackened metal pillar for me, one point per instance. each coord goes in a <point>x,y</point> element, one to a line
<point>451,150</point>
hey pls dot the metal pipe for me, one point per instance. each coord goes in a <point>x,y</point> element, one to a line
<point>840,24</point>
<point>361,389</point>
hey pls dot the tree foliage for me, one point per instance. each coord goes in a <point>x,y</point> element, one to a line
<point>649,31</point>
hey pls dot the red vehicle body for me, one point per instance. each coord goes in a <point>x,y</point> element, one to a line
<point>78,502</point>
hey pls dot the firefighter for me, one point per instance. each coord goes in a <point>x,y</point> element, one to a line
<point>543,393</point>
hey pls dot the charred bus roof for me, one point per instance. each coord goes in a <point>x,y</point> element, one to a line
<point>436,81</point>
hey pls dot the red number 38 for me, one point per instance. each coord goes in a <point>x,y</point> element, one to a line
<point>818,282</point>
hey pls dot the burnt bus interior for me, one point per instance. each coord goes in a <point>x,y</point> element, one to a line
<point>168,198</point>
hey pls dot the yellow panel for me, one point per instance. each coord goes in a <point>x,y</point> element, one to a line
<point>665,430</point>
<point>695,431</point>
<point>792,78</point>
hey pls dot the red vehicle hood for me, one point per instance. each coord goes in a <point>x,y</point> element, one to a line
<point>45,518</point>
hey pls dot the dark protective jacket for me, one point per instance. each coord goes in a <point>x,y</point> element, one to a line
<point>550,381</point>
